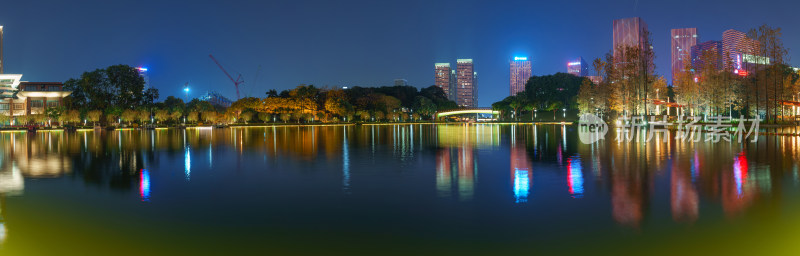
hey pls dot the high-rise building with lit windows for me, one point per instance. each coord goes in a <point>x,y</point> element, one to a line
<point>443,76</point>
<point>466,83</point>
<point>714,47</point>
<point>1,50</point>
<point>520,72</point>
<point>578,67</point>
<point>630,32</point>
<point>736,47</point>
<point>683,39</point>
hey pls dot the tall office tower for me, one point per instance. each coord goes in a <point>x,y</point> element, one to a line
<point>443,78</point>
<point>710,46</point>
<point>452,95</point>
<point>578,67</point>
<point>466,93</point>
<point>683,39</point>
<point>1,50</point>
<point>520,72</point>
<point>735,46</point>
<point>631,32</point>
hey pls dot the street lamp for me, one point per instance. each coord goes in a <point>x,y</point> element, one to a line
<point>186,90</point>
<point>564,111</point>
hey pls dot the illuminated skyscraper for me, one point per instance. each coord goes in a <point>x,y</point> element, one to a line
<point>443,78</point>
<point>697,52</point>
<point>520,72</point>
<point>578,67</point>
<point>466,83</point>
<point>631,32</point>
<point>683,39</point>
<point>735,46</point>
<point>143,73</point>
<point>1,50</point>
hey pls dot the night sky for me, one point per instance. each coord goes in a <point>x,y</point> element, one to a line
<point>347,43</point>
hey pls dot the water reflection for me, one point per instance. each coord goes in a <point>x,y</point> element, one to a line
<point>521,170</point>
<point>632,179</point>
<point>144,185</point>
<point>575,177</point>
<point>456,170</point>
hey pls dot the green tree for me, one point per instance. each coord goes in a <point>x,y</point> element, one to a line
<point>94,116</point>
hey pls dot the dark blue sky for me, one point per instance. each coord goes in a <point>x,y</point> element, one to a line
<point>346,43</point>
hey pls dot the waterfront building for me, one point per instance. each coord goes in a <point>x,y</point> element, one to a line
<point>520,73</point>
<point>682,40</point>
<point>466,87</point>
<point>443,78</point>
<point>578,67</point>
<point>18,98</point>
<point>216,99</point>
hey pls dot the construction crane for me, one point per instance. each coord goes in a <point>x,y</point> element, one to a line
<point>236,82</point>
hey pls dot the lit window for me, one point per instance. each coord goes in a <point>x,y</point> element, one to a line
<point>37,103</point>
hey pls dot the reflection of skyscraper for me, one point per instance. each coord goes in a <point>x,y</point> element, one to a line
<point>738,192</point>
<point>575,177</point>
<point>456,167</point>
<point>520,72</point>
<point>683,195</point>
<point>466,83</point>
<point>520,168</point>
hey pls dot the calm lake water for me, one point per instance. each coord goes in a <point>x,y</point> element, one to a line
<point>393,189</point>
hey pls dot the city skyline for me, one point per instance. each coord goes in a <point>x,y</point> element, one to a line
<point>336,53</point>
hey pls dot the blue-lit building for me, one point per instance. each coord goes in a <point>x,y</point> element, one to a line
<point>578,67</point>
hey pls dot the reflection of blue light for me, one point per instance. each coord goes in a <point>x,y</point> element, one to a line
<point>345,163</point>
<point>188,161</point>
<point>144,185</point>
<point>521,185</point>
<point>575,177</point>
